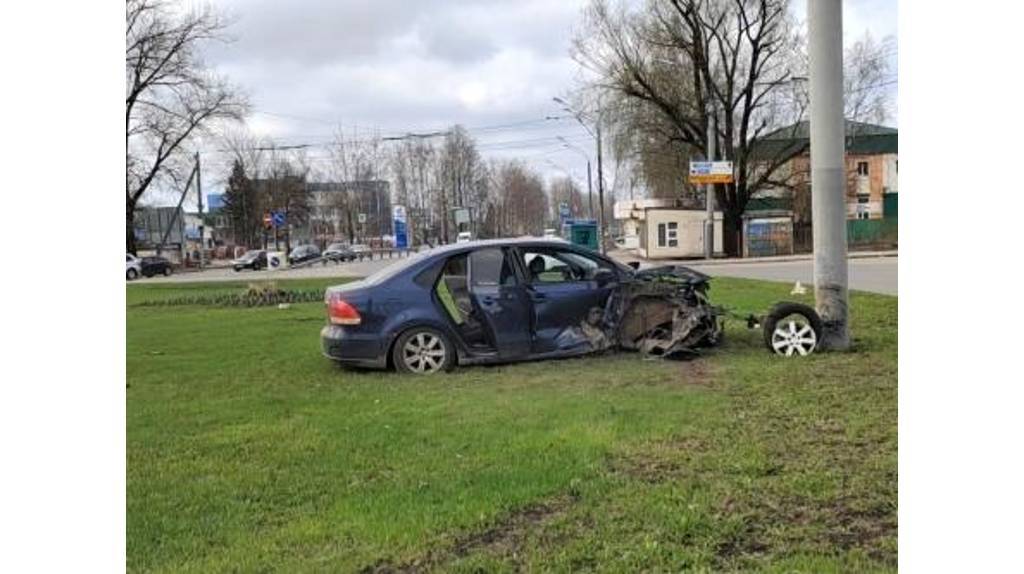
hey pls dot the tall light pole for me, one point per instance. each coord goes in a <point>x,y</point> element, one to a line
<point>590,183</point>
<point>828,169</point>
<point>596,134</point>
<point>709,188</point>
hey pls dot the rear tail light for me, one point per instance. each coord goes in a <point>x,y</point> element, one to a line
<point>341,312</point>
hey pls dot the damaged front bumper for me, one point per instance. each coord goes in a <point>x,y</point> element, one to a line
<point>663,311</point>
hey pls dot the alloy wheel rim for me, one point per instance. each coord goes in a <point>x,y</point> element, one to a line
<point>423,353</point>
<point>793,337</point>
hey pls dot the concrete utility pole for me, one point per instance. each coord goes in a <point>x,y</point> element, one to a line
<point>709,188</point>
<point>600,190</point>
<point>202,228</point>
<point>828,169</point>
<point>590,192</point>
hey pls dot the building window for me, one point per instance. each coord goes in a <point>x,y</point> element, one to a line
<point>668,234</point>
<point>863,215</point>
<point>862,168</point>
<point>863,198</point>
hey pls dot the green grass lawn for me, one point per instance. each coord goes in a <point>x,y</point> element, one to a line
<point>248,451</point>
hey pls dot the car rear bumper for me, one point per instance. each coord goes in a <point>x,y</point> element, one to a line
<point>353,348</point>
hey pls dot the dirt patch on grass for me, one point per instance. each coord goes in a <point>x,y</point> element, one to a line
<point>816,526</point>
<point>660,461</point>
<point>505,538</point>
<point>696,371</point>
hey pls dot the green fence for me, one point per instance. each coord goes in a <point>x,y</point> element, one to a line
<point>881,232</point>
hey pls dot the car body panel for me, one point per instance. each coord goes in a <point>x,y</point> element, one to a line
<point>522,319</point>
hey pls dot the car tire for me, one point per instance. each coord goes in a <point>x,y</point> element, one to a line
<point>132,274</point>
<point>423,351</point>
<point>167,271</point>
<point>792,329</point>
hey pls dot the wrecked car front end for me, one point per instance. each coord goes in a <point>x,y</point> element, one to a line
<point>662,311</point>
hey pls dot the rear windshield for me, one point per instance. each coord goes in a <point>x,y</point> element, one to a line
<point>396,269</point>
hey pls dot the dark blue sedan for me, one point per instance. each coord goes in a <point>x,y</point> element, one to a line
<point>477,302</point>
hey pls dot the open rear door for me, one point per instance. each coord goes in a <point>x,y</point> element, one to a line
<point>502,301</point>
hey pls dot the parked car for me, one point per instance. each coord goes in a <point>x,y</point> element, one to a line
<point>156,265</point>
<point>359,250</point>
<point>338,252</point>
<point>255,260</point>
<point>133,267</point>
<point>512,299</point>
<point>303,253</point>
<point>463,237</point>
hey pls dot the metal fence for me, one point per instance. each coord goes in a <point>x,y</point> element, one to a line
<point>860,234</point>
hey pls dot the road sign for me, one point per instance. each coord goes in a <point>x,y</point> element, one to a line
<point>563,211</point>
<point>361,218</point>
<point>400,220</point>
<point>277,218</point>
<point>711,172</point>
<point>462,216</point>
<point>267,221</point>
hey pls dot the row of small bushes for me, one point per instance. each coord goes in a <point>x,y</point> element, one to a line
<point>253,296</point>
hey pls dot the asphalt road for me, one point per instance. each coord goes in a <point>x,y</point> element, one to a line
<point>875,274</point>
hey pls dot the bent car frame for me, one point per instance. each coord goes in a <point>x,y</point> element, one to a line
<point>497,301</point>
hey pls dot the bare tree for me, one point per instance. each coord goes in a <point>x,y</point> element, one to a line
<point>700,62</point>
<point>243,203</point>
<point>565,190</point>
<point>867,77</point>
<point>170,94</point>
<point>462,182</point>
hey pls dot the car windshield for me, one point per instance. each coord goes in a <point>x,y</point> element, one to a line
<point>250,255</point>
<point>336,247</point>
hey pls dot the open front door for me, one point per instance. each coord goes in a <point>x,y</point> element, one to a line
<point>502,301</point>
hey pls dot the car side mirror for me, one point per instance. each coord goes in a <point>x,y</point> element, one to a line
<point>634,264</point>
<point>603,276</point>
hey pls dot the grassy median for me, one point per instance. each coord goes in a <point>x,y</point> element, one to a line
<point>248,451</point>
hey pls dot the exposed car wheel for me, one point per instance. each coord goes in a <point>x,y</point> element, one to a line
<point>167,271</point>
<point>422,350</point>
<point>792,329</point>
<point>132,274</point>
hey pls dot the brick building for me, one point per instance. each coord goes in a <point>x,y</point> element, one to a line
<point>871,167</point>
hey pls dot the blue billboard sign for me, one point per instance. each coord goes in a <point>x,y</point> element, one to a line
<point>400,220</point>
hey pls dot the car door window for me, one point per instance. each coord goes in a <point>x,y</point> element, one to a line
<point>560,266</point>
<point>490,268</point>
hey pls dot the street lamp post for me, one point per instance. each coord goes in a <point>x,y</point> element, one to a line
<point>596,134</point>
<point>590,183</point>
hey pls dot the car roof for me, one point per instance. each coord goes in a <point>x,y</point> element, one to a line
<point>503,242</point>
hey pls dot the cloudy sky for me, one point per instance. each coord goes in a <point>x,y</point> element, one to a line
<point>418,65</point>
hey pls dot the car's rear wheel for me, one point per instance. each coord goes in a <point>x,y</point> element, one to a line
<point>132,274</point>
<point>167,271</point>
<point>422,350</point>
